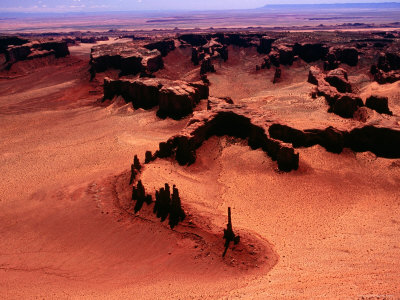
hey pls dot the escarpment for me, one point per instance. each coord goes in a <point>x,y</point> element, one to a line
<point>232,120</point>
<point>176,99</point>
<point>207,53</point>
<point>7,41</point>
<point>130,59</point>
<point>337,91</point>
<point>164,46</point>
<point>383,142</point>
<point>32,50</point>
<point>277,140</point>
<point>387,70</point>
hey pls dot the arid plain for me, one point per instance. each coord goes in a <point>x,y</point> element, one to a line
<point>314,199</point>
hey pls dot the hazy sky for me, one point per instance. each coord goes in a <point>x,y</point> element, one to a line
<point>112,5</point>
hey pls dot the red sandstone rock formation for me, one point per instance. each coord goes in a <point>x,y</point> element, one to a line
<point>310,52</point>
<point>265,44</point>
<point>176,99</point>
<point>342,104</point>
<point>338,55</point>
<point>227,119</point>
<point>35,49</point>
<point>277,75</point>
<point>207,53</point>
<point>384,142</point>
<point>7,41</point>
<point>128,58</point>
<point>194,39</point>
<point>164,46</point>
<point>338,78</point>
<point>379,104</point>
<point>282,55</point>
<point>388,68</point>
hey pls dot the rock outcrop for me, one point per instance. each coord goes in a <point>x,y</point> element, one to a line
<point>206,66</point>
<point>266,64</point>
<point>343,104</point>
<point>214,102</point>
<point>330,138</point>
<point>240,40</point>
<point>36,49</point>
<point>310,52</point>
<point>277,76</point>
<point>388,68</point>
<point>194,39</point>
<point>286,54</point>
<point>165,46</point>
<point>176,99</point>
<point>281,55</point>
<point>338,55</point>
<point>228,39</point>
<point>207,53</point>
<point>389,61</point>
<point>127,57</point>
<point>91,39</point>
<point>232,120</point>
<point>387,77</point>
<point>383,142</point>
<point>60,48</point>
<point>265,45</point>
<point>338,78</point>
<point>346,105</point>
<point>276,140</point>
<point>363,114</point>
<point>7,41</point>
<point>17,53</point>
<point>379,104</point>
<point>347,55</point>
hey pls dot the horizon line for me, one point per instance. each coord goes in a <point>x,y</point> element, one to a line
<point>93,10</point>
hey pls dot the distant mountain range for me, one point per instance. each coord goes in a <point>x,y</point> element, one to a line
<point>384,5</point>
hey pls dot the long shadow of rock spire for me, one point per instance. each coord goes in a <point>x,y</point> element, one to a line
<point>229,235</point>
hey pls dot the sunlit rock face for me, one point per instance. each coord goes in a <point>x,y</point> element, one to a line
<point>127,57</point>
<point>176,99</point>
<point>35,49</point>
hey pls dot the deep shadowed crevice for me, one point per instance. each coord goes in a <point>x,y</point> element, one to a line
<point>383,142</point>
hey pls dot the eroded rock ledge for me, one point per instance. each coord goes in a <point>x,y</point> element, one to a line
<point>337,91</point>
<point>382,141</point>
<point>276,140</point>
<point>208,53</point>
<point>127,57</point>
<point>35,49</point>
<point>388,68</point>
<point>232,120</point>
<point>164,46</point>
<point>7,41</point>
<point>176,99</point>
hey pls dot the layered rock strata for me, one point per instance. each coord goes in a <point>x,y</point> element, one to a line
<point>388,68</point>
<point>128,58</point>
<point>382,141</point>
<point>176,99</point>
<point>7,41</point>
<point>207,53</point>
<point>36,49</point>
<point>232,120</point>
<point>164,46</point>
<point>337,91</point>
<point>277,140</point>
